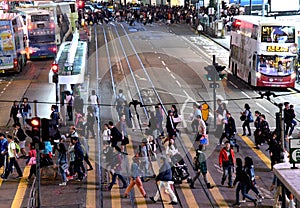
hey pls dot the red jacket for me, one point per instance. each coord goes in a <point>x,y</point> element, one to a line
<point>223,156</point>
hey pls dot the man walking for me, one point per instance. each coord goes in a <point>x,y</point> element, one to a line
<point>164,177</point>
<point>227,161</point>
<point>13,156</point>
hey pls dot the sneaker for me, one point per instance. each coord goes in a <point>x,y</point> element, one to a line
<point>255,202</point>
<point>79,179</point>
<point>173,203</point>
<point>236,204</point>
<point>243,201</point>
<point>18,177</point>
<point>90,169</point>
<point>248,134</point>
<point>152,199</point>
<point>70,177</point>
<point>63,184</point>
<point>4,179</point>
<point>244,134</point>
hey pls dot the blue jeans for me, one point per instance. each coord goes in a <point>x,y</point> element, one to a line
<point>243,188</point>
<point>25,116</point>
<point>227,171</point>
<point>63,174</point>
<point>114,178</point>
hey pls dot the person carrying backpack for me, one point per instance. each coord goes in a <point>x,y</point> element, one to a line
<point>243,181</point>
<point>119,102</point>
<point>200,167</point>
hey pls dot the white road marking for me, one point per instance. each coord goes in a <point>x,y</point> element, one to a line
<point>168,69</point>
<point>262,107</point>
<point>173,76</point>
<point>178,83</point>
<point>163,63</point>
<point>245,94</point>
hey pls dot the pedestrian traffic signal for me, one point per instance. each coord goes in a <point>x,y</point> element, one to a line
<point>55,78</point>
<point>212,74</point>
<point>54,68</point>
<point>45,129</point>
<point>35,124</point>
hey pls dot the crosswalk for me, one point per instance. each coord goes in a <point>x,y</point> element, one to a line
<point>210,48</point>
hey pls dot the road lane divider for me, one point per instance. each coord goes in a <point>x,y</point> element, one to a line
<point>139,199</point>
<point>259,153</point>
<point>21,190</point>
<point>91,197</point>
<point>215,192</point>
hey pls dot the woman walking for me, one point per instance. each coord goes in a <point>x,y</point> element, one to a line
<point>247,118</point>
<point>62,162</point>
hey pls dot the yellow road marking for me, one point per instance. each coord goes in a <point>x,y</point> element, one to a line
<point>216,194</point>
<point>1,171</point>
<point>164,197</point>
<point>19,196</point>
<point>91,179</point>
<point>259,153</point>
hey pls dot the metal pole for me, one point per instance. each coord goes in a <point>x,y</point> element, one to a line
<point>218,9</point>
<point>214,93</point>
<point>263,8</point>
<point>56,94</point>
<point>38,176</point>
<point>250,7</point>
<point>281,125</point>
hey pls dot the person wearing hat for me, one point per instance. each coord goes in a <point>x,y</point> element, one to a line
<point>135,178</point>
<point>227,161</point>
<point>165,179</point>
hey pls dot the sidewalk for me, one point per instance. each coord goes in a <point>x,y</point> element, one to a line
<point>225,43</point>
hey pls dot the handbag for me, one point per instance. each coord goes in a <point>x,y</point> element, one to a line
<point>243,117</point>
<point>32,161</point>
<point>125,141</point>
<point>19,115</point>
<point>178,119</point>
<point>204,140</point>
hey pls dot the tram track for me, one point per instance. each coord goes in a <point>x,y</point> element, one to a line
<point>131,56</point>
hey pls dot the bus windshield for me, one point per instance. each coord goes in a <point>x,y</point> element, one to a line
<point>276,65</point>
<point>278,34</point>
<point>39,18</point>
<point>41,39</point>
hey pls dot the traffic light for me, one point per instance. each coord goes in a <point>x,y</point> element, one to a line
<point>55,78</point>
<point>54,68</point>
<point>224,5</point>
<point>80,4</point>
<point>35,124</point>
<point>45,129</point>
<point>219,69</point>
<point>212,74</point>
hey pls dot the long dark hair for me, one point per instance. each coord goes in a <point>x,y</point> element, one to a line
<point>62,148</point>
<point>247,107</point>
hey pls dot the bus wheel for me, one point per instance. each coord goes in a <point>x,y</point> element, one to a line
<point>249,78</point>
<point>25,60</point>
<point>20,64</point>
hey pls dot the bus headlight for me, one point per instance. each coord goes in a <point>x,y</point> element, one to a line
<point>293,76</point>
<point>258,75</point>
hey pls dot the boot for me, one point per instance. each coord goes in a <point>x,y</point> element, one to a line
<point>192,185</point>
<point>208,185</point>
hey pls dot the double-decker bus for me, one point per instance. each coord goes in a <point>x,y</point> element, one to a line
<point>263,51</point>
<point>65,18</point>
<point>40,31</point>
<point>12,43</point>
